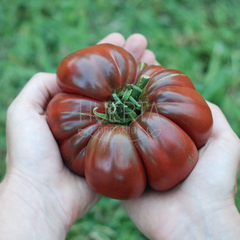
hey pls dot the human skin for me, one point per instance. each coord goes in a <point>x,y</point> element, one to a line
<point>202,206</point>
<point>41,199</point>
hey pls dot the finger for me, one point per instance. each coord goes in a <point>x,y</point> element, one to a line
<point>157,63</point>
<point>148,57</point>
<point>144,209</point>
<point>223,147</point>
<point>114,38</point>
<point>37,92</point>
<point>136,45</point>
<point>84,197</point>
<point>220,124</point>
<point>222,133</point>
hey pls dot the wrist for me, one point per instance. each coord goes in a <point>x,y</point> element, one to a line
<point>24,212</point>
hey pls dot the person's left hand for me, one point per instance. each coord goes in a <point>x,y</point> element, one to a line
<point>39,196</point>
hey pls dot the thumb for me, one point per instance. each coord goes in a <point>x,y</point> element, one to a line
<point>37,93</point>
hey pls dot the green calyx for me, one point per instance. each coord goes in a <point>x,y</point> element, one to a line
<point>125,106</point>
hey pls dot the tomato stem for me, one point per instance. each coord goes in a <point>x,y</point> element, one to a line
<point>100,115</point>
<point>124,106</point>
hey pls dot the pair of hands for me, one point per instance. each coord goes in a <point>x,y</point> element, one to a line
<point>41,199</point>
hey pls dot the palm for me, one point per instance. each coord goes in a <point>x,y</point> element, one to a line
<point>38,180</point>
<point>34,154</point>
<point>39,161</point>
<point>209,185</point>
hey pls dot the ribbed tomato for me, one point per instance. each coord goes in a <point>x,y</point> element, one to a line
<point>123,124</point>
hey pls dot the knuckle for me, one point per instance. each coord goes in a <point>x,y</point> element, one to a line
<point>38,75</point>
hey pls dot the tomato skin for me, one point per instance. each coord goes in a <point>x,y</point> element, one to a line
<point>167,78</point>
<point>158,148</point>
<point>186,108</point>
<point>69,113</point>
<point>97,70</point>
<point>75,159</point>
<point>168,153</point>
<point>113,166</point>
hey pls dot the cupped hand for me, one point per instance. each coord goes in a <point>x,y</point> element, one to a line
<point>39,195</point>
<point>202,206</point>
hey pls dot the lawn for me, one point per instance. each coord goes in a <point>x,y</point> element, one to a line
<point>200,38</point>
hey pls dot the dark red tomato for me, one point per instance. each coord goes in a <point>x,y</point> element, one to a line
<point>123,125</point>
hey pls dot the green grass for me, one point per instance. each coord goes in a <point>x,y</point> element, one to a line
<point>200,38</point>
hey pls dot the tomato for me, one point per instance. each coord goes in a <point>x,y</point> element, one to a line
<point>124,125</point>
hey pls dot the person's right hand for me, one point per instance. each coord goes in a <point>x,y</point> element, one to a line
<point>202,206</point>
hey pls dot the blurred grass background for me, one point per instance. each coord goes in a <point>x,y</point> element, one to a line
<point>200,38</point>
